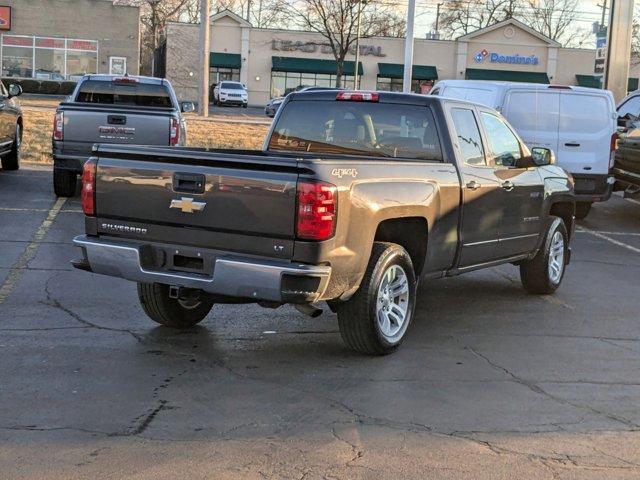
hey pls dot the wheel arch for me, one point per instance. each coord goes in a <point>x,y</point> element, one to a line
<point>411,233</point>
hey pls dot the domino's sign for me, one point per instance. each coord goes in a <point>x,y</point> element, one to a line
<point>493,57</point>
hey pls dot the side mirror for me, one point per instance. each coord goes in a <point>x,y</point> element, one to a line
<point>187,107</point>
<point>15,90</point>
<point>543,156</point>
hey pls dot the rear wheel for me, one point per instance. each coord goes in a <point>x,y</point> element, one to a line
<point>375,320</point>
<point>11,161</point>
<point>583,209</point>
<point>543,273</point>
<point>172,312</point>
<point>64,183</point>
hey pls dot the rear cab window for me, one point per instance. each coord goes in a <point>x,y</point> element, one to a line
<point>357,128</point>
<point>130,93</point>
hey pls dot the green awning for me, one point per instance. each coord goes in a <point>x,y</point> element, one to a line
<point>224,60</point>
<point>632,85</point>
<point>418,72</point>
<point>506,75</point>
<point>311,65</point>
<point>591,81</point>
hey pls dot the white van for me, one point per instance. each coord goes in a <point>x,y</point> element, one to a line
<point>577,123</point>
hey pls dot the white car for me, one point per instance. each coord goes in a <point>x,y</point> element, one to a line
<point>577,123</point>
<point>230,93</point>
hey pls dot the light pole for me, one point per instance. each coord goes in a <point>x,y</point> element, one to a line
<point>408,47</point>
<point>204,58</point>
<point>619,32</point>
<point>356,83</point>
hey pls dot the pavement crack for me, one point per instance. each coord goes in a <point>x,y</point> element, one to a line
<point>540,391</point>
<point>55,303</point>
<point>147,419</point>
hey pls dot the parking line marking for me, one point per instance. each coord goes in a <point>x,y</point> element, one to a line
<point>611,240</point>
<point>30,251</point>
<point>603,232</point>
<point>632,201</point>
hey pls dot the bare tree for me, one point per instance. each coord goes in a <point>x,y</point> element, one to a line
<point>336,22</point>
<point>154,15</point>
<point>461,17</point>
<point>556,19</point>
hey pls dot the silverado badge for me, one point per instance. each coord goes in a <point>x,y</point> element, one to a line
<point>188,205</point>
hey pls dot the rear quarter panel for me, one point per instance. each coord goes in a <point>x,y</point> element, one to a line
<point>372,191</point>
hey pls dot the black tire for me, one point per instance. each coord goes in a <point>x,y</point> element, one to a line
<point>64,183</point>
<point>244,106</point>
<point>357,317</point>
<point>534,273</point>
<point>11,161</point>
<point>583,209</point>
<point>171,312</point>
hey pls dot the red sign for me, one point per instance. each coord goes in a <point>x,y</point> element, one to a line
<point>17,41</point>
<point>82,45</point>
<point>5,18</point>
<point>50,42</point>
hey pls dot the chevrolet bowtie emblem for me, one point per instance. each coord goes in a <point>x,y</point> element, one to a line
<point>188,205</point>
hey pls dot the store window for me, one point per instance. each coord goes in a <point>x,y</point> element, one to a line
<point>395,85</point>
<point>48,58</point>
<point>220,74</point>
<point>283,83</point>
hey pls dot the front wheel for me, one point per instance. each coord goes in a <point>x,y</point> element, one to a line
<point>544,272</point>
<point>375,320</point>
<point>172,312</point>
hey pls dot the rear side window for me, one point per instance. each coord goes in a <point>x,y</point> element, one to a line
<point>134,94</point>
<point>468,136</point>
<point>357,128</point>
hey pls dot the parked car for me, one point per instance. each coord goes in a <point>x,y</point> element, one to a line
<point>354,197</point>
<point>11,124</point>
<point>626,167</point>
<point>272,107</point>
<point>230,93</point>
<point>577,123</point>
<point>112,109</point>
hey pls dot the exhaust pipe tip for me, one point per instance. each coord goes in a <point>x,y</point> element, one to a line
<point>309,310</point>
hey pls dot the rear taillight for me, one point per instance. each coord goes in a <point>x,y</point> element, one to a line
<point>317,202</point>
<point>58,126</point>
<point>174,132</point>
<point>89,187</point>
<point>612,149</point>
<point>358,96</point>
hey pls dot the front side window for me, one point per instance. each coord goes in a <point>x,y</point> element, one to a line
<point>631,106</point>
<point>468,136</point>
<point>357,128</point>
<point>504,145</point>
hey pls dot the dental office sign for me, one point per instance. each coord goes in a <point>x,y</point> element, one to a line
<point>494,57</point>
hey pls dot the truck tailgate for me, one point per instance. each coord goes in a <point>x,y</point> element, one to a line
<point>87,125</point>
<point>230,202</point>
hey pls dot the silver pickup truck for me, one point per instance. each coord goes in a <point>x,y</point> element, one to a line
<point>110,109</point>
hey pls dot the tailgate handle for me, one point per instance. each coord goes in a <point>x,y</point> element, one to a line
<point>188,182</point>
<point>117,120</point>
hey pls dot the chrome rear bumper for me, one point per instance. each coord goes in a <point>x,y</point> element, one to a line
<point>233,275</point>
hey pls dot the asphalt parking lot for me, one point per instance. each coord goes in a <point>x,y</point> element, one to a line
<point>491,382</point>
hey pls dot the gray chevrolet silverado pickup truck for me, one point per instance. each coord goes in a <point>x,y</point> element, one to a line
<point>112,109</point>
<point>353,199</point>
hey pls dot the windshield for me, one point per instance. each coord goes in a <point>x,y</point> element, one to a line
<point>231,86</point>
<point>357,128</point>
<point>112,93</point>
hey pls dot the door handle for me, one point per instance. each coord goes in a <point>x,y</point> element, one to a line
<point>508,186</point>
<point>473,185</point>
<point>571,144</point>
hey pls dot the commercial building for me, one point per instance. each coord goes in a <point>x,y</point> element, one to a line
<point>64,39</point>
<point>271,62</point>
